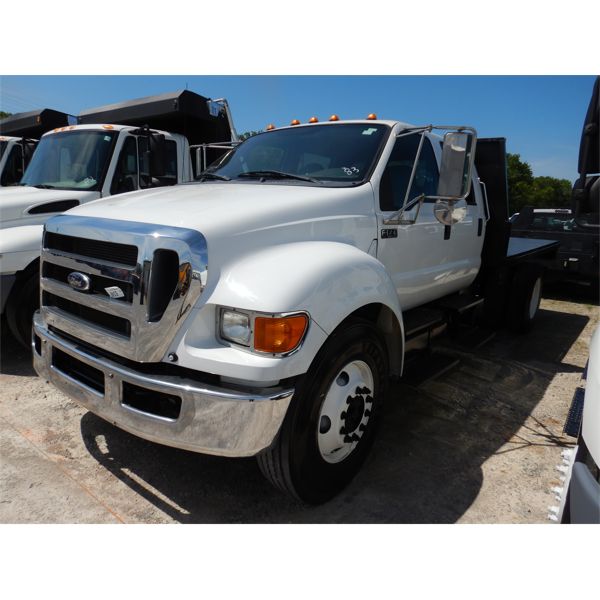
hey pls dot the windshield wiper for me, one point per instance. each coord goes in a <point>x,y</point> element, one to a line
<point>278,175</point>
<point>44,186</point>
<point>208,175</point>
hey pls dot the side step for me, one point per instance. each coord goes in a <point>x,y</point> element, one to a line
<point>426,367</point>
<point>419,320</point>
<point>458,303</point>
<point>573,422</point>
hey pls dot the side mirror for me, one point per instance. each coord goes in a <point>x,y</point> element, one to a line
<point>158,155</point>
<point>458,154</point>
<point>450,212</point>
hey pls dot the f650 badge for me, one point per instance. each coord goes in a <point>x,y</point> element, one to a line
<point>79,281</point>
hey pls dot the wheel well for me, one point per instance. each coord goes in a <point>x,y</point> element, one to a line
<point>30,269</point>
<point>386,323</point>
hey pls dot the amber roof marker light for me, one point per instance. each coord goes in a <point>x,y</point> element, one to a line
<point>295,122</point>
<point>372,117</point>
<point>313,120</point>
<point>270,127</point>
<point>334,118</point>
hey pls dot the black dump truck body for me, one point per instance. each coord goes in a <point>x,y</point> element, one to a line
<point>200,119</point>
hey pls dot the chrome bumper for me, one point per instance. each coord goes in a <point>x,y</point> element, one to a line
<point>212,420</point>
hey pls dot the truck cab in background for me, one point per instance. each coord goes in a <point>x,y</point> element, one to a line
<point>114,149</point>
<point>19,136</point>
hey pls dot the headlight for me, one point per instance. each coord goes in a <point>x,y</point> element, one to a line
<point>277,335</point>
<point>235,327</point>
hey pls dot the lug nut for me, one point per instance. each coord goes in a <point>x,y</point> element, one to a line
<point>361,427</point>
<point>172,357</point>
<point>367,413</point>
<point>369,399</point>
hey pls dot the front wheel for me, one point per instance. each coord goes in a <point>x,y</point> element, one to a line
<point>23,301</point>
<point>331,422</point>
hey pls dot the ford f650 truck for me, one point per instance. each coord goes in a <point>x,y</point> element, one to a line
<point>19,135</point>
<point>110,152</point>
<point>261,311</point>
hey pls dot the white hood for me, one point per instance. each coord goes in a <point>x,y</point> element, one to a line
<point>16,202</point>
<point>238,217</point>
<point>221,210</point>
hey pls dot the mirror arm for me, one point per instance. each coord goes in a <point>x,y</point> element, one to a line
<point>397,218</point>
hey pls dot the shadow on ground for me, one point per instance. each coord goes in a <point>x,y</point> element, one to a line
<point>425,466</point>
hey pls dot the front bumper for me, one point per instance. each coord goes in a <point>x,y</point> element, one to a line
<point>211,420</point>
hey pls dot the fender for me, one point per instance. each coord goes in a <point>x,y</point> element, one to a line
<point>328,280</point>
<point>19,246</point>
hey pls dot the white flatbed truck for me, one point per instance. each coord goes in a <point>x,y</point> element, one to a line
<point>261,311</point>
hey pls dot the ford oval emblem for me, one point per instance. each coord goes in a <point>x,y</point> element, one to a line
<point>79,281</point>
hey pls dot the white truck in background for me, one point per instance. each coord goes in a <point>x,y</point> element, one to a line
<point>19,136</point>
<point>139,144</point>
<point>261,310</point>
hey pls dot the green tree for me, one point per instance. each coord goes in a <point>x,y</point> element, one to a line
<point>247,134</point>
<point>3,114</point>
<point>526,190</point>
<point>520,180</point>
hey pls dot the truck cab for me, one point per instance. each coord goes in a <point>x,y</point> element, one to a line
<point>14,154</point>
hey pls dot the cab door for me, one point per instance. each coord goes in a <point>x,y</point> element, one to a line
<point>425,259</point>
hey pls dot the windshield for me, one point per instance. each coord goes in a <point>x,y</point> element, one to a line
<point>71,160</point>
<point>340,154</point>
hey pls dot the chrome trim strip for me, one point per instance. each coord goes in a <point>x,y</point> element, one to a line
<point>102,338</point>
<point>118,308</point>
<point>93,266</point>
<point>213,420</point>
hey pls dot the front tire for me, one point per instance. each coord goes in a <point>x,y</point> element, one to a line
<point>330,425</point>
<point>23,301</point>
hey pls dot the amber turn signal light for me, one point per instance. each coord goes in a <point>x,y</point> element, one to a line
<point>279,335</point>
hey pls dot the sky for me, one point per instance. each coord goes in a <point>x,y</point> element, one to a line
<point>541,116</point>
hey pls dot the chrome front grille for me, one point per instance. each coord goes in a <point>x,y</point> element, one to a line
<point>140,281</point>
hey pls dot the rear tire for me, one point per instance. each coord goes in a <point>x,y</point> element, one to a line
<point>524,299</point>
<point>23,301</point>
<point>330,425</point>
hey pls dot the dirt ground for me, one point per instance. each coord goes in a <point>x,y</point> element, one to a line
<point>479,444</point>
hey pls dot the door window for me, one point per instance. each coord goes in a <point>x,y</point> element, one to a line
<point>396,177</point>
<point>125,178</point>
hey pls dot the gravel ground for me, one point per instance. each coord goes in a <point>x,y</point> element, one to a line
<point>479,444</point>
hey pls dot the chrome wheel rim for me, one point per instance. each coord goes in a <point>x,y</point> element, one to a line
<point>345,412</point>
